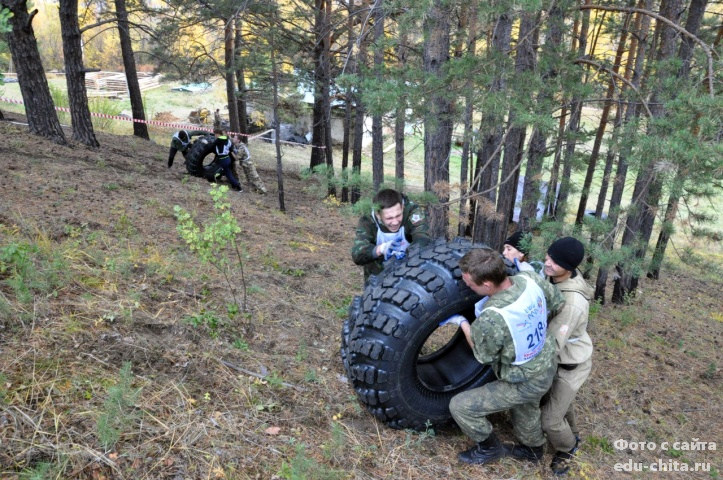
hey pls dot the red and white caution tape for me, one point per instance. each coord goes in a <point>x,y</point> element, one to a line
<point>184,126</point>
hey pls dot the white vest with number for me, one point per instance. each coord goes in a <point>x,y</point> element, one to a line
<point>391,236</point>
<point>526,319</point>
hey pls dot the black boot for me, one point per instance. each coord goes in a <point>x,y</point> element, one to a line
<point>561,461</point>
<point>523,452</point>
<point>484,452</point>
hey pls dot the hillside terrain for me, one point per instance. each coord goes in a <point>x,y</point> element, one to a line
<point>122,356</point>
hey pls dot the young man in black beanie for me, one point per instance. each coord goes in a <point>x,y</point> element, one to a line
<point>574,352</point>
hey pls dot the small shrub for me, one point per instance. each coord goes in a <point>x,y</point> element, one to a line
<point>600,442</point>
<point>303,467</point>
<point>118,411</point>
<point>210,243</point>
<point>207,319</point>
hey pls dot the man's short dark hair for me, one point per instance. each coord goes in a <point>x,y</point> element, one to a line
<point>484,264</point>
<point>183,135</point>
<point>387,198</point>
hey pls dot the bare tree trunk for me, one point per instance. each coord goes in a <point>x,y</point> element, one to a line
<point>685,53</point>
<point>39,108</point>
<point>487,168</point>
<point>277,125</point>
<point>525,61</point>
<point>437,117</point>
<point>400,120</point>
<point>348,101</point>
<point>573,127</point>
<point>536,154</point>
<point>140,128</point>
<point>230,74</point>
<point>75,74</point>
<point>592,160</point>
<point>631,113</point>
<point>377,129</point>
<point>467,20</point>
<point>649,184</point>
<point>318,156</point>
<point>241,106</point>
<point>329,150</point>
<point>359,115</point>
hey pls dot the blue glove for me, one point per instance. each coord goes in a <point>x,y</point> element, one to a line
<point>385,250</point>
<point>455,319</point>
<point>400,254</point>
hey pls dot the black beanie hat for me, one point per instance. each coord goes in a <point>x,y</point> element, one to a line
<point>567,252</point>
<point>515,240</point>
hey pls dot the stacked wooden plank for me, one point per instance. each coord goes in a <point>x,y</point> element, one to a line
<point>113,84</point>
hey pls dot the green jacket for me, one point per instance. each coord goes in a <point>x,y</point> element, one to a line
<point>569,326</point>
<point>493,343</point>
<point>416,231</point>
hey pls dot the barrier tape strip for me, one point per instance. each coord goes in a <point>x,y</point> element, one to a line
<point>185,126</point>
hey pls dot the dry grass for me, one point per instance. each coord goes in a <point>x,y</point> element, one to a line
<point>263,396</point>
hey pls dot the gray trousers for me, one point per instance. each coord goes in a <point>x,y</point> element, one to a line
<point>470,409</point>
<point>558,415</point>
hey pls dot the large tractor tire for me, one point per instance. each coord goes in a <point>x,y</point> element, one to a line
<point>403,366</point>
<point>196,160</point>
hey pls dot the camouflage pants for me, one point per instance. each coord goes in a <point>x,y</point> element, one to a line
<point>558,407</point>
<point>252,176</point>
<point>470,409</point>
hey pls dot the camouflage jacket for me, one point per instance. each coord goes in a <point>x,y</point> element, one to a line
<point>493,343</point>
<point>416,230</point>
<point>569,326</point>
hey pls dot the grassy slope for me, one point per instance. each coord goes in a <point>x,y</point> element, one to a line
<point>110,282</point>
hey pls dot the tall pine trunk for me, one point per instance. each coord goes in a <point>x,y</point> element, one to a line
<point>377,129</point>
<point>359,116</point>
<point>559,209</point>
<point>437,116</point>
<point>140,128</point>
<point>230,71</point>
<point>39,107</point>
<point>685,53</point>
<point>400,120</point>
<point>487,168</point>
<point>612,88</point>
<point>75,74</point>
<point>525,62</point>
<point>241,104</point>
<point>468,21</point>
<point>538,141</point>
<point>649,183</point>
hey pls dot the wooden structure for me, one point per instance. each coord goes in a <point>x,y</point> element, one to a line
<point>113,84</point>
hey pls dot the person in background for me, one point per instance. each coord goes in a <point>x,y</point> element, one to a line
<point>394,223</point>
<point>574,350</point>
<point>181,142</point>
<point>517,248</point>
<point>223,147</point>
<point>509,334</point>
<point>242,155</point>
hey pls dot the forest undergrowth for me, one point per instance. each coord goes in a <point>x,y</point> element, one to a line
<point>124,356</point>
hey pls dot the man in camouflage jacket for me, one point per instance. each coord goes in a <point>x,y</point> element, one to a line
<point>242,154</point>
<point>510,335</point>
<point>394,223</point>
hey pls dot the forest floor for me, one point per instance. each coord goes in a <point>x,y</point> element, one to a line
<point>94,279</point>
